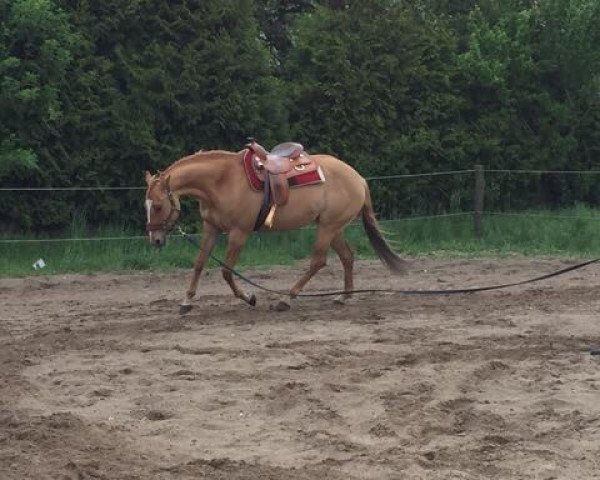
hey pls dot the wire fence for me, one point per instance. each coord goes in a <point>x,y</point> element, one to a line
<point>66,189</point>
<point>474,213</point>
<point>309,227</point>
<point>109,188</point>
<point>176,235</point>
<point>542,172</point>
<point>373,178</point>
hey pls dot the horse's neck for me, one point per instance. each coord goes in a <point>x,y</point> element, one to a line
<point>199,175</point>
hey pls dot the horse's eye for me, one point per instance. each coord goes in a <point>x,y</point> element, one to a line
<point>157,208</point>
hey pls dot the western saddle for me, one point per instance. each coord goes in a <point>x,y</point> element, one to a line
<point>277,168</point>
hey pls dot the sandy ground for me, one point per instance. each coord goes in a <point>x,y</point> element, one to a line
<point>101,378</point>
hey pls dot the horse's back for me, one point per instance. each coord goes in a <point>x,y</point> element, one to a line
<point>342,178</point>
<point>339,169</point>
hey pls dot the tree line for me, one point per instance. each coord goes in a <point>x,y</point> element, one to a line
<point>93,92</point>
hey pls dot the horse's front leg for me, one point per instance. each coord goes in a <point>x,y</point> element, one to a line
<point>209,238</point>
<point>237,240</point>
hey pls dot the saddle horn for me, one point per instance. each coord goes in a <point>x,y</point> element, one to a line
<point>257,149</point>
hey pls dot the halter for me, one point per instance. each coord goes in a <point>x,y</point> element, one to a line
<point>171,218</point>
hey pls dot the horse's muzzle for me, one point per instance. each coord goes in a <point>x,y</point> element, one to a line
<point>157,238</point>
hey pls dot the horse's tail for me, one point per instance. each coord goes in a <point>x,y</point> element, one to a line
<point>381,247</point>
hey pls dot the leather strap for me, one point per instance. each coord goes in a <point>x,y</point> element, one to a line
<point>264,208</point>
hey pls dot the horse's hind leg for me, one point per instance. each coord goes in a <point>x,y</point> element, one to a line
<point>325,234</point>
<point>343,250</point>
<point>237,239</point>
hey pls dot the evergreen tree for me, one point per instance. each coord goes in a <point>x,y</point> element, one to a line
<point>275,18</point>
<point>149,82</point>
<point>36,51</point>
<point>95,91</point>
<point>528,73</point>
<point>371,83</point>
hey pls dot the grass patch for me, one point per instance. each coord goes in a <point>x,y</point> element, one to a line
<point>574,232</point>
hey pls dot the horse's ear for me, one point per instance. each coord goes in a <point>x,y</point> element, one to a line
<point>148,177</point>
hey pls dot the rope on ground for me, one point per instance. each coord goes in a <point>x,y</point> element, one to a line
<point>392,290</point>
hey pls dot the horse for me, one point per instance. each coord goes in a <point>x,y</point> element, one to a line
<point>217,180</point>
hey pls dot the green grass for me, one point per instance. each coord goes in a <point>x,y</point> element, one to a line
<point>574,232</point>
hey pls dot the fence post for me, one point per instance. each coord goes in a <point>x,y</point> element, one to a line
<point>478,197</point>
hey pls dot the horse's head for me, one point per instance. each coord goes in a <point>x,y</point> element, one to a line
<point>162,208</point>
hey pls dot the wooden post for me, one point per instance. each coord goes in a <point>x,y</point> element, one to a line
<point>478,197</point>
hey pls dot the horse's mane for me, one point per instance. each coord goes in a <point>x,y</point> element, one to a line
<point>198,156</point>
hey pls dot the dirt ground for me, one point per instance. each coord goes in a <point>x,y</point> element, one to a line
<point>101,378</point>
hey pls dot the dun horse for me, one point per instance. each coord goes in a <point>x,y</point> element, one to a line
<point>222,182</point>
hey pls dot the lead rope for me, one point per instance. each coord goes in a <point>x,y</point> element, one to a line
<point>391,290</point>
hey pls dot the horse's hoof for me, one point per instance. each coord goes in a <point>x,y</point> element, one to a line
<point>252,300</point>
<point>183,309</point>
<point>282,306</point>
